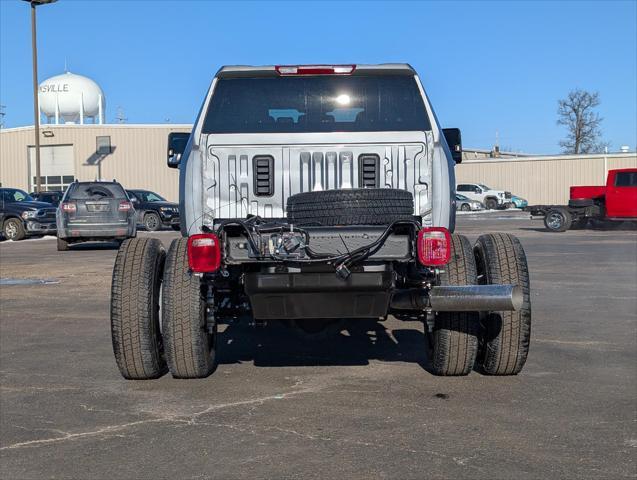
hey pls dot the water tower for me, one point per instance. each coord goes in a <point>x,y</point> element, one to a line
<point>71,98</point>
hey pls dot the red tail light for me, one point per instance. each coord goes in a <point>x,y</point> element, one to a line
<point>204,253</point>
<point>434,246</point>
<point>315,69</point>
<point>68,207</point>
<point>125,206</point>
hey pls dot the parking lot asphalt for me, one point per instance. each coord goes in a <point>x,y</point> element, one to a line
<point>357,405</point>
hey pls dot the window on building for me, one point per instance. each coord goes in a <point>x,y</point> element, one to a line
<point>54,183</point>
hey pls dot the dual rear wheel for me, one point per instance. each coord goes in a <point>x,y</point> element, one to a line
<point>497,343</point>
<point>146,345</point>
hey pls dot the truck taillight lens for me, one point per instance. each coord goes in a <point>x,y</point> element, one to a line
<point>315,69</point>
<point>68,207</point>
<point>125,206</point>
<point>434,246</point>
<point>204,253</point>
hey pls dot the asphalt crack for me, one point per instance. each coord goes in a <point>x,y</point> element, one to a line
<point>183,419</point>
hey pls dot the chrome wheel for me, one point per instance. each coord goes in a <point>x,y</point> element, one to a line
<point>555,220</point>
<point>10,230</point>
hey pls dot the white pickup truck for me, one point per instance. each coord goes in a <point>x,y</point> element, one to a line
<point>311,194</point>
<point>489,197</point>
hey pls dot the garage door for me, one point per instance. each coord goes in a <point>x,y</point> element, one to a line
<point>57,169</point>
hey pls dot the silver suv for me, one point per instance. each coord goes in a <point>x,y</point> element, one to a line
<point>94,211</point>
<point>312,194</point>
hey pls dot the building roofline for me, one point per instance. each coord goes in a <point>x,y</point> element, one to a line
<point>501,152</point>
<point>540,158</point>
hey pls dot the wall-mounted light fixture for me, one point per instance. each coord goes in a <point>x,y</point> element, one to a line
<point>48,133</point>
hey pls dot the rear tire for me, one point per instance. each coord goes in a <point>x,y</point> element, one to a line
<point>137,342</point>
<point>558,220</point>
<point>63,245</point>
<point>454,342</point>
<point>505,336</point>
<point>190,349</point>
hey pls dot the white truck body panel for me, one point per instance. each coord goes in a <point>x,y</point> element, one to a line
<point>216,180</point>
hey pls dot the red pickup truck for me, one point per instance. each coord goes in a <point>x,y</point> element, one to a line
<point>616,201</point>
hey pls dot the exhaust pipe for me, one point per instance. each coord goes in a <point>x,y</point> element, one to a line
<point>462,298</point>
<point>476,298</point>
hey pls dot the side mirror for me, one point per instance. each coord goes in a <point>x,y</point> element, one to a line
<point>454,140</point>
<point>176,145</point>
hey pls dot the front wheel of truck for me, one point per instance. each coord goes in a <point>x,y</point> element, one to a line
<point>190,349</point>
<point>505,336</point>
<point>453,344</point>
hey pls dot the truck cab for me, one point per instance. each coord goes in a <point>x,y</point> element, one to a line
<point>618,196</point>
<point>314,194</point>
<point>621,194</point>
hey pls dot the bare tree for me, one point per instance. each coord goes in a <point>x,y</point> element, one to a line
<point>577,113</point>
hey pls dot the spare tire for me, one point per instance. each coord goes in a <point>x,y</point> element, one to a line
<point>357,206</point>
<point>580,202</point>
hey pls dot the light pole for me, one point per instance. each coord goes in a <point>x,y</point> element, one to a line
<point>36,107</point>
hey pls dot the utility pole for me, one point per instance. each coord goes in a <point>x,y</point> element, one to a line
<point>36,105</point>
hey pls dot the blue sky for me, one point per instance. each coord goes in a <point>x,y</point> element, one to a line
<point>487,66</point>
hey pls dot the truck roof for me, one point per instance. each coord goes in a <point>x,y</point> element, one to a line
<point>357,69</point>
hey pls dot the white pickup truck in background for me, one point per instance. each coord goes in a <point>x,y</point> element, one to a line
<point>489,197</point>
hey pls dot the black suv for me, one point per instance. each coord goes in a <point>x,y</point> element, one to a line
<point>21,216</point>
<point>53,198</point>
<point>92,211</point>
<point>154,211</point>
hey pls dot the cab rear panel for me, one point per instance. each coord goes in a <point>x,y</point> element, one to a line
<point>242,180</point>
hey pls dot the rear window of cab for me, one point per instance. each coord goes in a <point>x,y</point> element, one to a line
<point>324,103</point>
